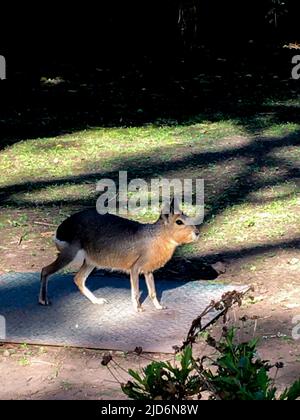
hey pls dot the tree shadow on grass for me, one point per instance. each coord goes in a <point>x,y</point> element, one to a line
<point>257,155</point>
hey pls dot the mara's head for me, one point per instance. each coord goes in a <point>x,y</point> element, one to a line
<point>177,225</point>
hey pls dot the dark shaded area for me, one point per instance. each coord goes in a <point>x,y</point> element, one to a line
<point>127,63</point>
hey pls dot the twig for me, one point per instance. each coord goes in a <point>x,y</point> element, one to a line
<point>227,301</point>
<point>255,328</point>
<point>44,223</point>
<point>42,362</point>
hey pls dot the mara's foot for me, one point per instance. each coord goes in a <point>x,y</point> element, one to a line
<point>139,309</point>
<point>160,307</point>
<point>157,305</point>
<point>100,301</point>
<point>44,302</point>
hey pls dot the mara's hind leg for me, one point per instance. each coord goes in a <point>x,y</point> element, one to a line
<point>135,290</point>
<point>64,258</point>
<point>80,280</point>
<point>151,290</point>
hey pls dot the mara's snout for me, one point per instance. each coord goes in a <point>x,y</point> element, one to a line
<point>112,242</point>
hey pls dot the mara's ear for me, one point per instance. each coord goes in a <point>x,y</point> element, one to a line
<point>174,206</point>
<point>164,213</point>
<point>169,211</point>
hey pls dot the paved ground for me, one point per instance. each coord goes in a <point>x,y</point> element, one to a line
<point>72,320</point>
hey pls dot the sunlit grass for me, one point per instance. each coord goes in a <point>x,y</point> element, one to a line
<point>268,213</point>
<point>99,150</point>
<point>278,130</point>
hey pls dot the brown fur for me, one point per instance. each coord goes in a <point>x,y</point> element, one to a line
<point>112,242</point>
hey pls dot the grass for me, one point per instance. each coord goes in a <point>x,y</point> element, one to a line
<point>24,361</point>
<point>250,197</point>
<point>249,222</point>
<point>99,150</point>
<point>278,130</point>
<point>66,386</point>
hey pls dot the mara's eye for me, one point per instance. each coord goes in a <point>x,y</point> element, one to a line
<point>179,222</point>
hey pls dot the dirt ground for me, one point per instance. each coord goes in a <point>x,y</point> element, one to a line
<point>33,372</point>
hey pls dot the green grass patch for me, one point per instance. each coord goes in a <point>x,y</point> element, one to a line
<point>71,164</point>
<point>100,150</point>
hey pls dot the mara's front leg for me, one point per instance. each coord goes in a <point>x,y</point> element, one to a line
<point>152,292</point>
<point>135,289</point>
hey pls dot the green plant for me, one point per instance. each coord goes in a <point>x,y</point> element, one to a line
<point>66,386</point>
<point>162,380</point>
<point>240,374</point>
<point>237,373</point>
<point>23,361</point>
<point>234,372</point>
